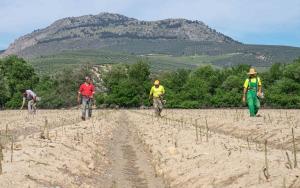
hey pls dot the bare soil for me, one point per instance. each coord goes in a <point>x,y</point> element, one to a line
<point>133,148</point>
<point>68,152</point>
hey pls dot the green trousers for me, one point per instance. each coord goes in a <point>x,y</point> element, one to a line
<point>253,102</point>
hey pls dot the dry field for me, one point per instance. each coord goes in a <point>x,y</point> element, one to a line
<point>132,148</point>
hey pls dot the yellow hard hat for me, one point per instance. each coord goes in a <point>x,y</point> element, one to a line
<point>156,82</point>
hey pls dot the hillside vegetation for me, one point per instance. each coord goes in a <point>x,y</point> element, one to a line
<point>168,55</point>
<point>128,85</point>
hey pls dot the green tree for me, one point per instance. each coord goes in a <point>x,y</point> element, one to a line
<point>210,76</point>
<point>61,89</point>
<point>114,76</point>
<point>195,93</point>
<point>174,83</point>
<point>47,90</point>
<point>4,90</point>
<point>127,86</point>
<point>17,75</point>
<point>292,71</point>
<point>139,79</point>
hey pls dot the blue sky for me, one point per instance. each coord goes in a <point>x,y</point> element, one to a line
<point>248,21</point>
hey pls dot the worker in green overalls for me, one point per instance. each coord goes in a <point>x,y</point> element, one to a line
<point>253,89</point>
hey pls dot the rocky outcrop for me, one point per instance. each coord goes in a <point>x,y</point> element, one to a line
<point>113,26</point>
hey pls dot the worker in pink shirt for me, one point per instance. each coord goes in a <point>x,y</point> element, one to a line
<point>86,92</point>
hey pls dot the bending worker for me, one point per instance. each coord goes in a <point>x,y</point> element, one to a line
<point>86,91</point>
<point>31,97</point>
<point>253,90</point>
<point>157,92</point>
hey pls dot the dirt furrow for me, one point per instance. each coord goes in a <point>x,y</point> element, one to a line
<point>130,164</point>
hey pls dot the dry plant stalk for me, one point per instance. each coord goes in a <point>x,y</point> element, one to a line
<point>289,163</point>
<point>55,134</point>
<point>270,120</point>
<point>6,132</point>
<point>182,122</point>
<point>47,129</point>
<point>266,169</point>
<point>295,150</point>
<point>200,133</point>
<point>42,135</point>
<point>248,143</point>
<point>1,153</point>
<point>12,149</point>
<point>284,182</point>
<point>206,129</point>
<point>196,125</point>
<point>1,158</point>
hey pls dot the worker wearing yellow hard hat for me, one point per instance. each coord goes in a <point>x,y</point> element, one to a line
<point>253,90</point>
<point>156,93</point>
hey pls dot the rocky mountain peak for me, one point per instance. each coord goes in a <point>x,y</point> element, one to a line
<point>114,26</point>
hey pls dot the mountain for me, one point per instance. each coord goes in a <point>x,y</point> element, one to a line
<point>111,38</point>
<point>87,31</point>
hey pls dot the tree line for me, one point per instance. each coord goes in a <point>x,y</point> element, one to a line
<point>56,91</point>
<point>128,85</point>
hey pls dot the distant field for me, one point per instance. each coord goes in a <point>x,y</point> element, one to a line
<point>73,59</point>
<point>186,61</point>
<point>162,54</point>
<point>158,62</point>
